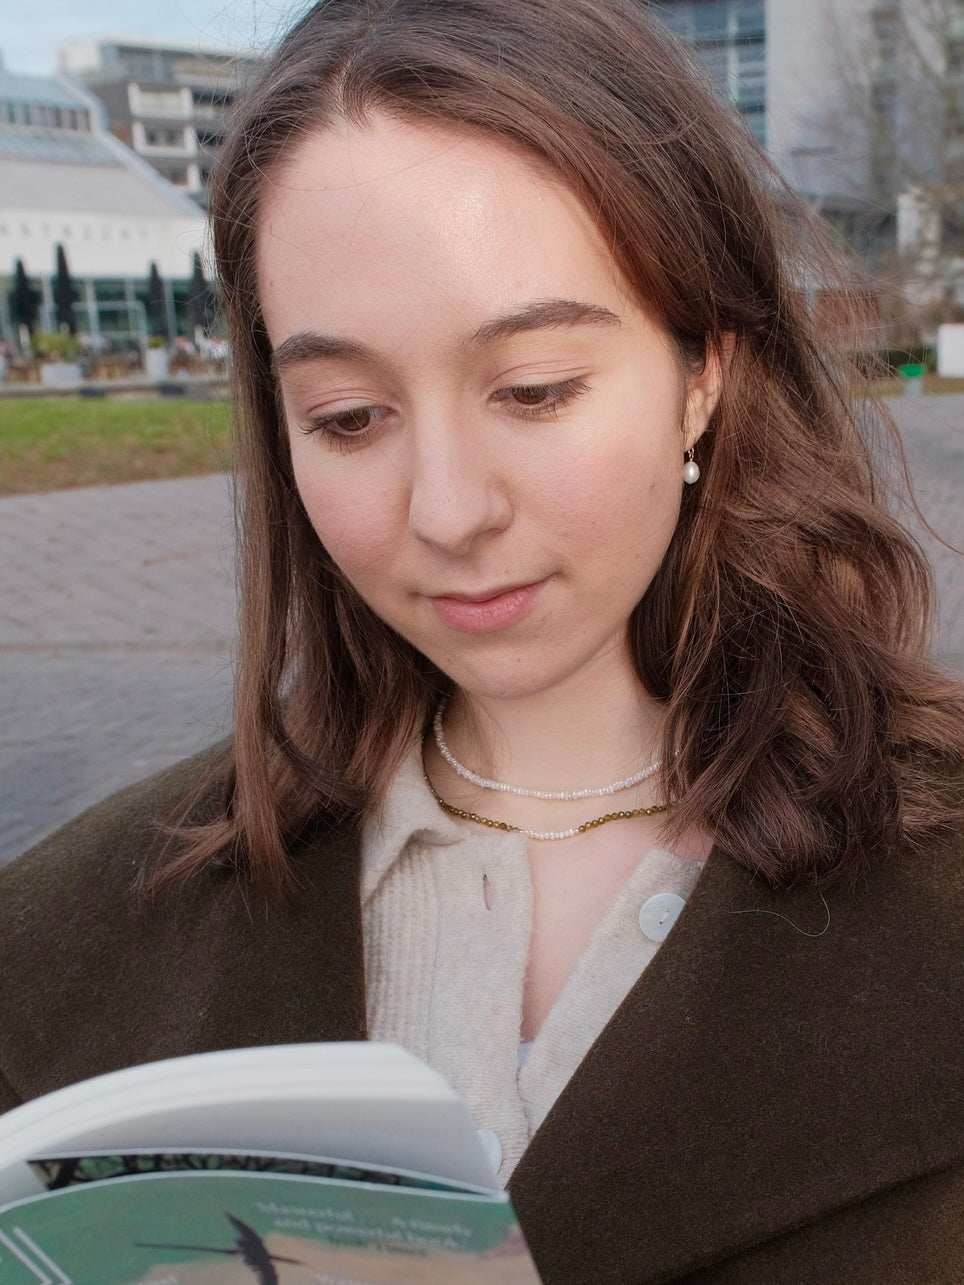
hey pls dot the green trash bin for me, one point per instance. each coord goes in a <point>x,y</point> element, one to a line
<point>912,374</point>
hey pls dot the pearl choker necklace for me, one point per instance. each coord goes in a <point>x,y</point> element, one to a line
<point>593,792</point>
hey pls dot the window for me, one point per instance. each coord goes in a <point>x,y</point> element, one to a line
<point>750,20</point>
<point>710,20</point>
<point>214,98</point>
<point>142,66</point>
<point>886,28</point>
<point>883,97</point>
<point>107,290</point>
<point>160,137</point>
<point>728,37</point>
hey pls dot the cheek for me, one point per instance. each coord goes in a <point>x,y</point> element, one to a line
<point>617,507</point>
<point>349,521</point>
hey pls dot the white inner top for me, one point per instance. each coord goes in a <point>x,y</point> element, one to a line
<point>445,970</point>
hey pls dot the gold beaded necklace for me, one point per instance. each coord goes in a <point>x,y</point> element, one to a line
<point>623,815</point>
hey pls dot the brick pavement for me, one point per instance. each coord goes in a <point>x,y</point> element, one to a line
<point>116,638</point>
<point>932,429</point>
<point>116,624</point>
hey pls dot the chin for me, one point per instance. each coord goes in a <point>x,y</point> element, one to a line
<point>504,682</point>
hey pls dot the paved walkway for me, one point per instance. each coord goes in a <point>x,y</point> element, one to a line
<point>933,434</point>
<point>116,624</point>
<point>116,641</point>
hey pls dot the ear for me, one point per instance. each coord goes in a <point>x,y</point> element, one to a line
<point>703,389</point>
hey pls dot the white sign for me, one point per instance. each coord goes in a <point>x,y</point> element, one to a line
<point>950,350</point>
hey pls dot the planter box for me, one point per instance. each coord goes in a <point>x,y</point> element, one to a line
<point>55,373</point>
<point>156,363</point>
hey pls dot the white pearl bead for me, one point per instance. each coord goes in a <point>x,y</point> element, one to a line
<point>691,472</point>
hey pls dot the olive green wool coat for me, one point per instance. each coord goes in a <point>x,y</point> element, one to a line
<point>778,1101</point>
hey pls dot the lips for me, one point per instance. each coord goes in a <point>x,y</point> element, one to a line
<point>490,610</point>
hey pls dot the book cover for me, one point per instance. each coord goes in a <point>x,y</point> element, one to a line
<point>235,1227</point>
<point>334,1164</point>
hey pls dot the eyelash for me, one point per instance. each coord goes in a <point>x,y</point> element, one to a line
<point>324,424</point>
<point>557,397</point>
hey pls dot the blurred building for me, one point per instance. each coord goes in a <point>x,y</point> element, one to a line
<point>860,104</point>
<point>66,181</point>
<point>779,64</point>
<point>169,102</point>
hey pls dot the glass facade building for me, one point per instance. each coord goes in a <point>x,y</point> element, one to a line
<point>729,38</point>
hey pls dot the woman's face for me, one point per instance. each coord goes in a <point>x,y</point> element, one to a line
<point>487,431</point>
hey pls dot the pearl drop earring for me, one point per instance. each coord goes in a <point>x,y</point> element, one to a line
<point>691,470</point>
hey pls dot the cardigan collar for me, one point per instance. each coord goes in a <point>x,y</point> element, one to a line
<point>408,814</point>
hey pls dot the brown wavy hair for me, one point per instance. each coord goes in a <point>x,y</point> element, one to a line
<point>787,627</point>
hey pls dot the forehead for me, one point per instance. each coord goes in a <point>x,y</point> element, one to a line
<point>394,214</point>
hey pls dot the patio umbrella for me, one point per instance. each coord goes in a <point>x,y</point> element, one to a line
<point>156,303</point>
<point>65,294</point>
<point>24,300</point>
<point>202,304</point>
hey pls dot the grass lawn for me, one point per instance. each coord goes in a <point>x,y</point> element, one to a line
<point>51,442</point>
<point>47,443</point>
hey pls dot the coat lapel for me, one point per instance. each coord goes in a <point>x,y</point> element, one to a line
<point>294,975</point>
<point>96,978</point>
<point>755,1077</point>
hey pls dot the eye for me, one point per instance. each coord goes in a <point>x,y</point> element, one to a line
<point>533,396</point>
<point>345,428</point>
<point>542,399</point>
<point>350,422</point>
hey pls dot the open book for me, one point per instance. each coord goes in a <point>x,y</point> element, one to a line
<point>303,1164</point>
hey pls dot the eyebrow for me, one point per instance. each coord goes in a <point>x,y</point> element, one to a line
<point>544,314</point>
<point>309,345</point>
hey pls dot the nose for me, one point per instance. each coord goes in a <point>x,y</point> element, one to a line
<point>458,491</point>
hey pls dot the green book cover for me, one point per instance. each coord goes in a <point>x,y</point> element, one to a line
<point>237,1227</point>
<point>328,1164</point>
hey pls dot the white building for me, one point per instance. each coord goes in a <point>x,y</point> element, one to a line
<point>64,180</point>
<point>781,63</point>
<point>859,104</point>
<point>167,101</point>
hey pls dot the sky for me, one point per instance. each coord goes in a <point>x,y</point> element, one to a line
<point>30,32</point>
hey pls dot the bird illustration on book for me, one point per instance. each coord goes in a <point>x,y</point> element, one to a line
<point>249,1247</point>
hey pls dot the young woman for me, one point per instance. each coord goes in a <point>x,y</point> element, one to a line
<point>567,602</point>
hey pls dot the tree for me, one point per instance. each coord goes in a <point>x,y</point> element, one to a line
<point>65,294</point>
<point>202,302</point>
<point>899,132</point>
<point>155,304</point>
<point>24,300</point>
